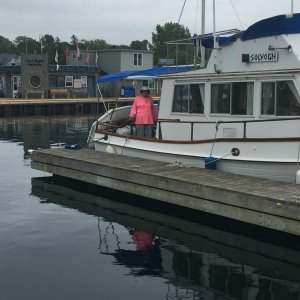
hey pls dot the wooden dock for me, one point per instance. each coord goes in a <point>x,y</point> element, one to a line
<point>270,204</point>
<point>25,107</point>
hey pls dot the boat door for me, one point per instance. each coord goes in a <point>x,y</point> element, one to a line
<point>16,86</point>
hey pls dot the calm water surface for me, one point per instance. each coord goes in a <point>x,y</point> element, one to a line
<point>64,240</point>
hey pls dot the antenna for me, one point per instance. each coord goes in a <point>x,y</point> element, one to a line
<point>181,11</point>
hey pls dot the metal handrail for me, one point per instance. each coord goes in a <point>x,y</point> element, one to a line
<point>244,122</point>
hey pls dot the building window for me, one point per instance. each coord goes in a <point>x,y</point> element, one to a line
<point>84,81</point>
<point>232,98</point>
<point>52,81</point>
<point>280,98</point>
<point>137,59</point>
<point>35,81</point>
<point>69,81</point>
<point>189,98</point>
<point>60,81</point>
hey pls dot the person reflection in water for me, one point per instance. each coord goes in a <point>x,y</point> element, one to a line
<point>143,240</point>
<point>146,258</point>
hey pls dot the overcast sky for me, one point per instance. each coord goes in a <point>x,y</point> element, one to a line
<point>123,21</point>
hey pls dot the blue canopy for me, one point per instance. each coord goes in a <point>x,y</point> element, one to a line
<point>154,72</point>
<point>208,42</point>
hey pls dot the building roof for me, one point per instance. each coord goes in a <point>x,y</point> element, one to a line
<point>7,59</point>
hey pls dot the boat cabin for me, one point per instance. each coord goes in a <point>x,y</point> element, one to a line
<point>250,74</point>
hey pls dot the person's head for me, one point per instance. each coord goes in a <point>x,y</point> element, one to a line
<point>145,90</point>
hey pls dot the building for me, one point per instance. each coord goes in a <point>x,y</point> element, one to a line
<point>30,75</point>
<point>33,77</point>
<point>112,60</point>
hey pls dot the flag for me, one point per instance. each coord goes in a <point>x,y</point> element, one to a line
<point>67,52</point>
<point>96,60</point>
<point>56,60</point>
<point>87,57</point>
<point>77,51</point>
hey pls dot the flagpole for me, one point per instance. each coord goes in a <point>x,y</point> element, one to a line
<point>41,42</point>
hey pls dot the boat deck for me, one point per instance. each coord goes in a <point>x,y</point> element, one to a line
<point>274,205</point>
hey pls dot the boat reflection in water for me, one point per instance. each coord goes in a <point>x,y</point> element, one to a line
<point>196,261</point>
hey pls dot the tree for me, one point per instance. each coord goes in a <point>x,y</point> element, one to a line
<point>24,44</point>
<point>6,46</point>
<point>97,44</point>
<point>74,41</point>
<point>181,54</point>
<point>47,42</point>
<point>140,45</point>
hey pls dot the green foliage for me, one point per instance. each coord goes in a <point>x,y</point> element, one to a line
<point>182,54</point>
<point>97,44</point>
<point>74,41</point>
<point>6,46</point>
<point>140,45</point>
<point>24,44</point>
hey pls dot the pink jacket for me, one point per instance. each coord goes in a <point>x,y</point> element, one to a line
<point>143,110</point>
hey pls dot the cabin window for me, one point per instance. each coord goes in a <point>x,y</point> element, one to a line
<point>189,98</point>
<point>151,84</point>
<point>280,98</point>
<point>137,59</point>
<point>220,98</point>
<point>232,98</point>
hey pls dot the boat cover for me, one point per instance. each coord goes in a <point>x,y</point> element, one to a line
<point>273,26</point>
<point>142,74</point>
<point>268,27</point>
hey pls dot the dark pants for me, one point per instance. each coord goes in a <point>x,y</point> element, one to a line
<point>144,130</point>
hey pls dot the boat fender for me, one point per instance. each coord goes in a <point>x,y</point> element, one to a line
<point>73,147</point>
<point>235,151</point>
<point>211,163</point>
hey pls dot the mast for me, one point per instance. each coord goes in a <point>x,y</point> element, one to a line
<point>202,49</point>
<point>290,15</point>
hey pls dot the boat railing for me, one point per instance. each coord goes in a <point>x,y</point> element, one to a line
<point>218,123</point>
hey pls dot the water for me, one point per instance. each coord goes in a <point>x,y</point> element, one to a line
<point>66,240</point>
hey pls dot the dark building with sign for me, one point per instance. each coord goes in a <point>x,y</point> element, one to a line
<point>33,77</point>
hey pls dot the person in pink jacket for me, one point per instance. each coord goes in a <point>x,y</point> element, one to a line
<point>143,112</point>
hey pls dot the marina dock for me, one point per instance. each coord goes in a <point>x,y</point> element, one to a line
<point>25,107</point>
<point>270,204</point>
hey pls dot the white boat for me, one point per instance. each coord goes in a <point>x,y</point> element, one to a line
<point>239,113</point>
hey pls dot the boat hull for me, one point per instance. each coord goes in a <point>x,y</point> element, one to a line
<point>254,159</point>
